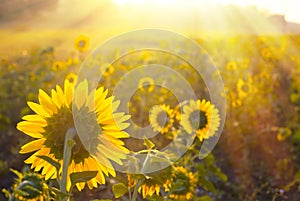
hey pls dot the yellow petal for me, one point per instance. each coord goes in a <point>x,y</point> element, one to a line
<point>68,87</point>
<point>38,109</point>
<point>81,94</point>
<point>47,102</point>
<point>32,146</point>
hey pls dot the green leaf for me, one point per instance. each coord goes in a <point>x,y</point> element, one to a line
<point>59,193</point>
<point>201,169</point>
<point>158,159</point>
<point>207,185</point>
<point>85,176</point>
<point>51,161</point>
<point>119,190</point>
<point>204,198</point>
<point>148,143</point>
<point>221,175</point>
<point>101,200</point>
<point>297,175</point>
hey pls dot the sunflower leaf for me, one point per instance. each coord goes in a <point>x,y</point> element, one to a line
<point>51,161</point>
<point>85,176</point>
<point>204,198</point>
<point>207,185</point>
<point>101,200</point>
<point>59,193</point>
<point>119,190</point>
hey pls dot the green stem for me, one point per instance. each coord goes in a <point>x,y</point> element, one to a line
<point>69,143</point>
<point>135,191</point>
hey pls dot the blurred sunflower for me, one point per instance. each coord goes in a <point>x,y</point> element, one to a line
<point>58,65</point>
<point>54,118</point>
<point>107,69</point>
<point>183,184</point>
<point>72,77</point>
<point>82,43</point>
<point>200,117</point>
<point>153,183</point>
<point>28,187</point>
<point>231,66</point>
<point>146,84</point>
<point>161,118</point>
<point>245,87</point>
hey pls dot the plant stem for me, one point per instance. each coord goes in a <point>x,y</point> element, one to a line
<point>69,143</point>
<point>135,191</point>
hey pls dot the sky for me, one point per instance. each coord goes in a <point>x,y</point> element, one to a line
<point>289,8</point>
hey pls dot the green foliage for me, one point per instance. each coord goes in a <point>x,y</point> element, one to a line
<point>119,190</point>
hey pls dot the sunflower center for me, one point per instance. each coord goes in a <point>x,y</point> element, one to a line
<point>146,84</point>
<point>55,133</point>
<point>198,119</point>
<point>163,119</point>
<point>81,43</point>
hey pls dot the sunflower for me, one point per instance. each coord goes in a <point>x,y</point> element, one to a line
<point>54,117</point>
<point>58,65</point>
<point>231,66</point>
<point>82,43</point>
<point>245,87</point>
<point>146,84</point>
<point>28,186</point>
<point>72,77</point>
<point>200,117</point>
<point>107,69</point>
<point>161,118</point>
<point>153,183</point>
<point>149,190</point>
<point>183,184</point>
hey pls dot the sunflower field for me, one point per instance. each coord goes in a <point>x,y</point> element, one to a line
<point>65,136</point>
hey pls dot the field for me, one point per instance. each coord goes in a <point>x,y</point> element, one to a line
<point>212,116</point>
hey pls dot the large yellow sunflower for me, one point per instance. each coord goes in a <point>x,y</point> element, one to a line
<point>54,118</point>
<point>161,118</point>
<point>200,117</point>
<point>183,184</point>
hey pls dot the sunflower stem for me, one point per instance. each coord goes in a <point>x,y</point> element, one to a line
<point>68,145</point>
<point>135,191</point>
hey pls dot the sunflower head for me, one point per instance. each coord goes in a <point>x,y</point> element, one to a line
<point>28,186</point>
<point>58,65</point>
<point>153,183</point>
<point>231,66</point>
<point>183,184</point>
<point>96,119</point>
<point>201,118</point>
<point>82,43</point>
<point>146,84</point>
<point>161,118</point>
<point>72,77</point>
<point>245,87</point>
